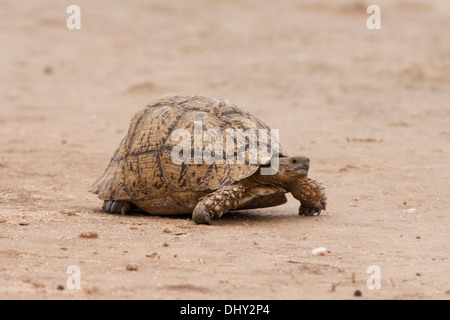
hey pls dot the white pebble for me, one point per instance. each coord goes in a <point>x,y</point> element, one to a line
<point>319,251</point>
<point>411,211</point>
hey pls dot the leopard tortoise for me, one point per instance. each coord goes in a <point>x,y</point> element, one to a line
<point>143,172</point>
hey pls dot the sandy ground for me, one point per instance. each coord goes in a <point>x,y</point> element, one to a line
<point>371,108</point>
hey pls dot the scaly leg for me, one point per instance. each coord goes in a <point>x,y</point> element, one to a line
<point>215,204</point>
<point>311,195</point>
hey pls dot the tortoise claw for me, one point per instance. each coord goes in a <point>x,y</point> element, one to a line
<point>108,206</point>
<point>112,206</point>
<point>125,208</point>
<point>306,211</point>
<point>201,215</point>
<point>310,211</point>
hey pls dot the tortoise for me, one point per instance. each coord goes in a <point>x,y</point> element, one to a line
<point>143,172</point>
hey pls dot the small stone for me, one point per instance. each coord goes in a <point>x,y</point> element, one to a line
<point>167,230</point>
<point>48,70</point>
<point>68,212</point>
<point>132,267</point>
<point>88,235</point>
<point>357,293</point>
<point>23,223</point>
<point>60,287</point>
<point>411,211</point>
<point>92,290</point>
<point>152,255</point>
<point>319,251</point>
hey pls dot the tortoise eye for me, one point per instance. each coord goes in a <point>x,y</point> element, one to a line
<point>293,160</point>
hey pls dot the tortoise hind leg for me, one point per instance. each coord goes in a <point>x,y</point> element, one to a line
<point>215,204</point>
<point>114,206</point>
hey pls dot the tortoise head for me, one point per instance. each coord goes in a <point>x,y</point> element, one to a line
<point>293,168</point>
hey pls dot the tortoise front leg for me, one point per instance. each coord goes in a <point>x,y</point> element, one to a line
<point>311,195</point>
<point>215,204</point>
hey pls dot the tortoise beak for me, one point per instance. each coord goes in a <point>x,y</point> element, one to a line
<point>301,164</point>
<point>305,164</point>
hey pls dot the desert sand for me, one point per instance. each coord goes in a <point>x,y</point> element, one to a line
<point>370,108</point>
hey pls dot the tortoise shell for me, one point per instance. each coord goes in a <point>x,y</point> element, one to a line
<point>142,169</point>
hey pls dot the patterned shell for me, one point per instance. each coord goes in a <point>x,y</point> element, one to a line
<point>143,167</point>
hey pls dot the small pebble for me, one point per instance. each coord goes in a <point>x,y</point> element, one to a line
<point>132,267</point>
<point>319,251</point>
<point>88,235</point>
<point>411,211</point>
<point>23,223</point>
<point>60,287</point>
<point>48,70</point>
<point>167,230</point>
<point>153,255</point>
<point>357,293</point>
